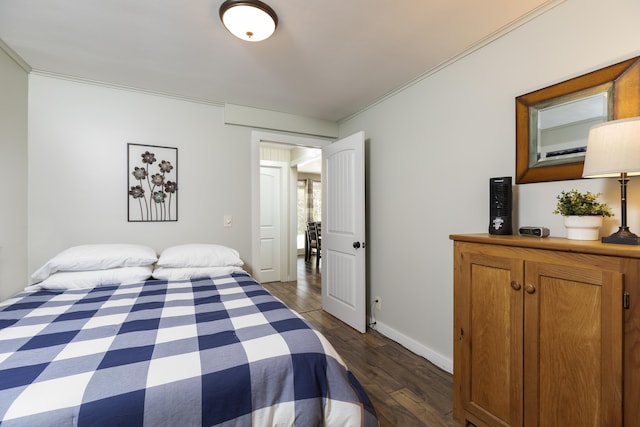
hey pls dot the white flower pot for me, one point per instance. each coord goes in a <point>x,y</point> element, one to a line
<point>583,227</point>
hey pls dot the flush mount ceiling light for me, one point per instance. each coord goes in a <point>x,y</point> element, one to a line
<point>249,20</point>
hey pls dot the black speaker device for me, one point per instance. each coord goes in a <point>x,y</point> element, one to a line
<point>500,200</point>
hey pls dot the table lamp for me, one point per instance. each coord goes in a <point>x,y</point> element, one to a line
<point>613,150</point>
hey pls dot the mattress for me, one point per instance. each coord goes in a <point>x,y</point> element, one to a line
<point>215,351</point>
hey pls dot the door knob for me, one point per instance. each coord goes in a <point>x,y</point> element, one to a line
<point>530,289</point>
<point>356,245</point>
<point>515,285</point>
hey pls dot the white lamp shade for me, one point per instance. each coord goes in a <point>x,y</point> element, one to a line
<point>613,148</point>
<point>252,21</point>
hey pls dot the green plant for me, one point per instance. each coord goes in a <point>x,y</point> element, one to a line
<point>576,203</point>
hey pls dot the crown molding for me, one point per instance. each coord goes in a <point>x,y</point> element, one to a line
<point>13,55</point>
<point>77,79</point>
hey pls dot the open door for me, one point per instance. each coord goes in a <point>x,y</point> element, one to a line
<point>343,259</point>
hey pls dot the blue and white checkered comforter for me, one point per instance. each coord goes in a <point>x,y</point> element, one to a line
<point>218,351</point>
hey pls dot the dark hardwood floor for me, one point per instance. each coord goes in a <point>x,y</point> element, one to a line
<point>406,389</point>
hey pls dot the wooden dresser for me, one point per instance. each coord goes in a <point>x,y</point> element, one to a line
<point>546,332</point>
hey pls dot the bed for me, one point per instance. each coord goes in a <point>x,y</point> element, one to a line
<point>205,349</point>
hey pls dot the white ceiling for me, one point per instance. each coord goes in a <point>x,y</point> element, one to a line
<point>328,58</point>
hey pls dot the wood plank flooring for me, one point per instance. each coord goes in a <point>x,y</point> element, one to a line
<point>406,389</point>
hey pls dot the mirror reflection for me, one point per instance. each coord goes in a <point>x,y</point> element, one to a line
<point>552,123</point>
<point>561,125</point>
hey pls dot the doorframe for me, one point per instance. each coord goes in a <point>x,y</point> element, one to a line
<point>289,252</point>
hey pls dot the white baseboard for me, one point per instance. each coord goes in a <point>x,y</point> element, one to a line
<point>432,356</point>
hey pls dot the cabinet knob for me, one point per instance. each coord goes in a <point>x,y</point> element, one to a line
<point>515,285</point>
<point>530,289</point>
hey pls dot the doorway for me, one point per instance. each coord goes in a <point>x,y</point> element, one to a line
<point>289,230</point>
<point>343,235</point>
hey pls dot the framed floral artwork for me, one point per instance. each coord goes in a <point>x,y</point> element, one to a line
<point>152,186</point>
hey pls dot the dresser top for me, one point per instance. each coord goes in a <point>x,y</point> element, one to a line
<point>552,243</point>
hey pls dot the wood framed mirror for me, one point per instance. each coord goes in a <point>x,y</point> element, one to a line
<point>552,123</point>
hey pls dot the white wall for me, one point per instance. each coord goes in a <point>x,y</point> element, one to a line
<point>78,135</point>
<point>433,147</point>
<point>13,176</point>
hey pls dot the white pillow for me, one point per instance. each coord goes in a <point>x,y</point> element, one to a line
<point>199,255</point>
<point>97,257</point>
<point>90,279</point>
<point>184,273</point>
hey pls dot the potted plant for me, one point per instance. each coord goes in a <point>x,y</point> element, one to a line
<point>582,214</point>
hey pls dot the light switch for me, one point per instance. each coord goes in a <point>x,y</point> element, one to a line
<point>228,220</point>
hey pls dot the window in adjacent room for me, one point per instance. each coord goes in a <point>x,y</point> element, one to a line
<point>309,206</point>
<point>301,197</point>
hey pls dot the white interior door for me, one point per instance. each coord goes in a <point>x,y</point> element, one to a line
<point>270,219</point>
<point>343,259</point>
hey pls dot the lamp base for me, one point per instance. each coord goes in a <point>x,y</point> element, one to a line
<point>623,236</point>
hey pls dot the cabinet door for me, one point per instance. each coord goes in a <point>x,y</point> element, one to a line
<point>572,346</point>
<point>489,322</point>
